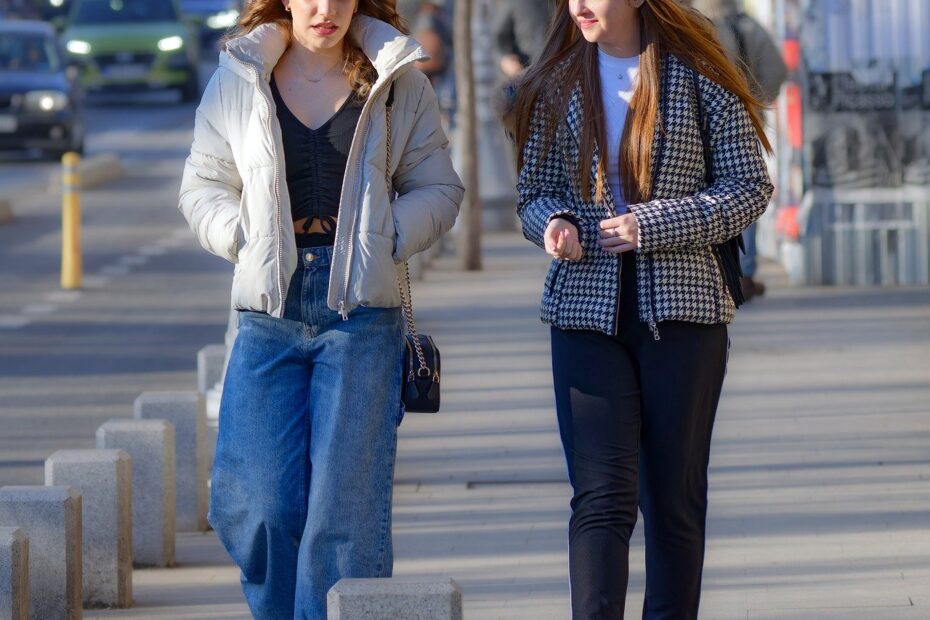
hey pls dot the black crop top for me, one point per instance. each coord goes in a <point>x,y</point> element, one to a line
<point>315,163</point>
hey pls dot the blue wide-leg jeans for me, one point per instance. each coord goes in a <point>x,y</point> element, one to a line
<point>304,467</point>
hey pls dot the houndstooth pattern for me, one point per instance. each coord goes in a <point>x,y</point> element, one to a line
<point>677,272</point>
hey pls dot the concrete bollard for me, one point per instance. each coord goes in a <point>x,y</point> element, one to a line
<point>187,412</point>
<point>51,518</point>
<point>14,574</point>
<point>388,599</point>
<point>211,364</point>
<point>104,479</point>
<point>150,444</point>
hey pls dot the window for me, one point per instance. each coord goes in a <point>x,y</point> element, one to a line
<point>27,52</point>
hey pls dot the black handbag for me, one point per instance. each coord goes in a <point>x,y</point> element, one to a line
<point>422,364</point>
<point>728,252</point>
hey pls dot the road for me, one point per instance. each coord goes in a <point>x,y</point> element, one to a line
<point>71,360</point>
<point>116,123</point>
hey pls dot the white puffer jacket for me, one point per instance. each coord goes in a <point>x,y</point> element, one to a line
<point>234,194</point>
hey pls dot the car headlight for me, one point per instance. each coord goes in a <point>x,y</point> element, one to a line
<point>46,100</point>
<point>223,20</point>
<point>171,44</point>
<point>78,47</point>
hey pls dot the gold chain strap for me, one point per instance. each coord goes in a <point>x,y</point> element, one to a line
<point>406,298</point>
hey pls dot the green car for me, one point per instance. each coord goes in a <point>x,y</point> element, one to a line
<point>133,45</point>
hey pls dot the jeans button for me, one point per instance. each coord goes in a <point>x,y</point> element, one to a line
<point>309,256</point>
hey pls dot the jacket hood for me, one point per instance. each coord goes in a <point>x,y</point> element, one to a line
<point>387,48</point>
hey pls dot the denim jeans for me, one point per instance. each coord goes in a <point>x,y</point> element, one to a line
<point>304,467</point>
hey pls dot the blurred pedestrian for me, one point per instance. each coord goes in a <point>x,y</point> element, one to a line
<point>303,473</point>
<point>752,48</point>
<point>520,28</point>
<point>625,209</point>
<point>431,26</point>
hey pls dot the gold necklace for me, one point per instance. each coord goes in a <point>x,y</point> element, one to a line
<point>319,79</point>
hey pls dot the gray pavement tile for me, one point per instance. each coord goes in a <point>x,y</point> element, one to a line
<point>819,470</point>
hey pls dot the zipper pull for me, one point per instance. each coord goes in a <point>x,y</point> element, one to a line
<point>655,331</point>
<point>342,310</point>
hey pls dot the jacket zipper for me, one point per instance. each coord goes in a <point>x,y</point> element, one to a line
<point>610,213</point>
<point>653,326</point>
<point>343,312</point>
<point>372,97</point>
<point>277,192</point>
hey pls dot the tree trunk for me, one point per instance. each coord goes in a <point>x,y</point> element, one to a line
<point>469,241</point>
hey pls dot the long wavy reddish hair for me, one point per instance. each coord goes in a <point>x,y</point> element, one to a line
<point>568,59</point>
<point>360,71</point>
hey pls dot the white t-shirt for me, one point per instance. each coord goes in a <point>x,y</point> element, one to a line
<point>617,79</point>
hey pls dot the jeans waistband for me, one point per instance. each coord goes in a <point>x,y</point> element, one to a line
<point>314,258</point>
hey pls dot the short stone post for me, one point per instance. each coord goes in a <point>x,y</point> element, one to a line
<point>150,444</point>
<point>14,574</point>
<point>51,518</point>
<point>388,599</point>
<point>104,479</point>
<point>187,412</point>
<point>211,364</point>
<point>211,372</point>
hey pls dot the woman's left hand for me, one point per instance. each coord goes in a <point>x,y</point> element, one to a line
<point>619,234</point>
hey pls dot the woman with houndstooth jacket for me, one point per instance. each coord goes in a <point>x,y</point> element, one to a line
<point>614,125</point>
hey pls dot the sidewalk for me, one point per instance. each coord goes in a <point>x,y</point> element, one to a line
<point>820,502</point>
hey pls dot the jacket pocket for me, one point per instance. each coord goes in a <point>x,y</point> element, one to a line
<point>374,274</point>
<point>552,278</point>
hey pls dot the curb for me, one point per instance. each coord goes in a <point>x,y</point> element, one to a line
<point>94,171</point>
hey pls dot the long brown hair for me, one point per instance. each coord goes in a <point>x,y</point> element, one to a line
<point>360,71</point>
<point>568,59</point>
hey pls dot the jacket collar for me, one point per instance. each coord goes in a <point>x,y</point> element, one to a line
<point>387,48</point>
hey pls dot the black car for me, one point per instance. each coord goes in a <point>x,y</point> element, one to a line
<point>40,101</point>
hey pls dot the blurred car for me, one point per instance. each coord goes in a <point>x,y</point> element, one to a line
<point>40,100</point>
<point>53,10</point>
<point>133,45</point>
<point>45,10</point>
<point>214,18</point>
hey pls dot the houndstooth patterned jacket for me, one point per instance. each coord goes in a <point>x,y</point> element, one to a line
<point>678,277</point>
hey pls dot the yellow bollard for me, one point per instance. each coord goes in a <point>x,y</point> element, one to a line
<point>71,264</point>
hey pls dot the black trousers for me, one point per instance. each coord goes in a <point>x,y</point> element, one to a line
<point>635,416</point>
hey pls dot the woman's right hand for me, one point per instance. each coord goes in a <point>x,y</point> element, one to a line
<point>562,241</point>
